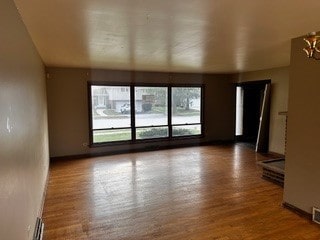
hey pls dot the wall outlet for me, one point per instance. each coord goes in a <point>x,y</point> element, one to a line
<point>316,215</point>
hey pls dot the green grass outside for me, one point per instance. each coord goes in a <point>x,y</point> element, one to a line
<point>112,136</point>
<point>158,109</point>
<point>110,112</point>
<point>183,112</point>
<point>178,111</point>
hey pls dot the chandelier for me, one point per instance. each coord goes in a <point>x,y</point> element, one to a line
<point>312,50</point>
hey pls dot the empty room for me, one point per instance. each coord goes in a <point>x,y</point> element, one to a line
<point>158,119</point>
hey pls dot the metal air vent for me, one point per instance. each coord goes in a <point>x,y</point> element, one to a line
<point>38,232</point>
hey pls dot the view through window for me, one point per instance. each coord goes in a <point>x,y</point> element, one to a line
<point>130,113</point>
<point>111,115</point>
<point>186,111</point>
<point>151,112</point>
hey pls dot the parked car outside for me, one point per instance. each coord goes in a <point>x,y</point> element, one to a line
<point>125,108</point>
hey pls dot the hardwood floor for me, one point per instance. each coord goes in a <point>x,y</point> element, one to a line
<point>211,192</point>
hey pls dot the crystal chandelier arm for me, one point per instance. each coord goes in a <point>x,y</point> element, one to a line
<point>307,41</point>
<point>308,51</point>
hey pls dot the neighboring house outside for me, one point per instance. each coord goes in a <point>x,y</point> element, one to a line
<point>115,98</point>
<point>118,99</point>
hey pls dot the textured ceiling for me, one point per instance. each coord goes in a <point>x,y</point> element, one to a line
<point>168,35</point>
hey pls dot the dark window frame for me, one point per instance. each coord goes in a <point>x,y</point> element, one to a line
<point>133,126</point>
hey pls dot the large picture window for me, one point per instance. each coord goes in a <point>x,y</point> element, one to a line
<point>111,115</point>
<point>186,111</point>
<point>151,112</point>
<point>121,113</point>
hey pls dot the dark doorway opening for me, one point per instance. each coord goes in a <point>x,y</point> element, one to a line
<point>252,114</point>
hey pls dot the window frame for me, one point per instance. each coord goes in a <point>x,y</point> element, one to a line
<point>201,123</point>
<point>133,126</point>
<point>152,126</point>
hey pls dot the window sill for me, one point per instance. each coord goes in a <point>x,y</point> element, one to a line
<point>145,141</point>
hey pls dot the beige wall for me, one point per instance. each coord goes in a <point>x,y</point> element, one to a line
<point>68,106</point>
<point>279,102</point>
<point>23,128</point>
<point>303,156</point>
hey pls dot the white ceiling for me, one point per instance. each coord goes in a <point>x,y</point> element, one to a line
<point>168,35</point>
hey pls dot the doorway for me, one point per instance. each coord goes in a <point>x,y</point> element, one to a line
<point>253,113</point>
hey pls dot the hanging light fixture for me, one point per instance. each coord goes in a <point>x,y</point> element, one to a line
<point>312,50</point>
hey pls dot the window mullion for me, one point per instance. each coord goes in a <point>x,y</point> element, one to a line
<point>170,112</point>
<point>202,109</point>
<point>89,89</point>
<point>133,112</point>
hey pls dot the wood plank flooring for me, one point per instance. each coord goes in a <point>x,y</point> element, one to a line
<point>210,192</point>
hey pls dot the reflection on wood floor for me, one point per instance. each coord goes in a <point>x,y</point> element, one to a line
<point>210,192</point>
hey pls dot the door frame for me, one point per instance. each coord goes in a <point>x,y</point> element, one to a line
<point>264,120</point>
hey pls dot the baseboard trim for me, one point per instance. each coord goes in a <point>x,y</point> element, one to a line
<point>297,210</point>
<point>278,155</point>
<point>140,149</point>
<point>44,194</point>
<point>39,226</point>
